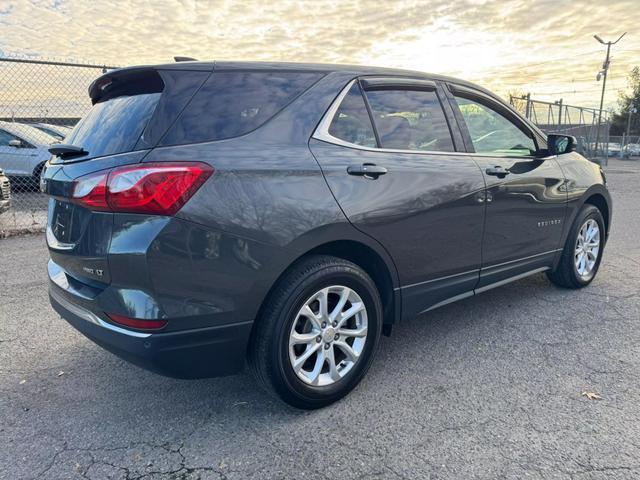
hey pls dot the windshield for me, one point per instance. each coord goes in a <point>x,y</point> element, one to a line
<point>49,131</point>
<point>115,125</point>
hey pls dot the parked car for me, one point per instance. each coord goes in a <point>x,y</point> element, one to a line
<point>202,215</point>
<point>633,149</point>
<point>23,151</point>
<point>5,192</point>
<point>614,149</point>
<point>59,132</point>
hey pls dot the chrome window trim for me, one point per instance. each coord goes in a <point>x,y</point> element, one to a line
<point>322,130</point>
<point>322,133</point>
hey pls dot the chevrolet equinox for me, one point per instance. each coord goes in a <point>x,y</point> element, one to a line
<point>207,214</point>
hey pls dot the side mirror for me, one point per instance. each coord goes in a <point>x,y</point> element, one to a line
<point>15,143</point>
<point>559,144</point>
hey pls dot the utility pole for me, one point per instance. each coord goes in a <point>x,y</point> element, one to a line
<point>603,72</point>
<point>559,102</point>
<point>632,110</point>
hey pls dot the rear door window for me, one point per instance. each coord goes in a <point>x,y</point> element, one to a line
<point>232,103</point>
<point>410,120</point>
<point>351,121</point>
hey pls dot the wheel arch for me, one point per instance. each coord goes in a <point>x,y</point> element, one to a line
<point>372,263</point>
<point>366,257</point>
<point>599,201</point>
<point>37,170</point>
<point>598,196</point>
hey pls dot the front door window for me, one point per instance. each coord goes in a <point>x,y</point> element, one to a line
<point>492,133</point>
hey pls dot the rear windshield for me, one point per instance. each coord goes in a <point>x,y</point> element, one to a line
<point>115,125</point>
<point>230,104</point>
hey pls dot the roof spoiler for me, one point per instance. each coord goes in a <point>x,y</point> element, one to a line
<point>125,81</point>
<point>145,77</point>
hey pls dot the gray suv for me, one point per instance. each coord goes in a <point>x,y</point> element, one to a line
<point>204,215</point>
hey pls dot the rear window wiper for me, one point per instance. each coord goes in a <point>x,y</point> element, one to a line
<point>64,150</point>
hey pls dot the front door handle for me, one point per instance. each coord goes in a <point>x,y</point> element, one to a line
<point>367,170</point>
<point>497,171</point>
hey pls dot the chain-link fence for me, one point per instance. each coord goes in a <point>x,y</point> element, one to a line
<point>590,126</point>
<point>40,101</point>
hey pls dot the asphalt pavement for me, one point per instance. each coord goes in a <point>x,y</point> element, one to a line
<point>489,387</point>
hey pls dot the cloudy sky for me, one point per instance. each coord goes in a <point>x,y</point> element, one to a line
<point>545,47</point>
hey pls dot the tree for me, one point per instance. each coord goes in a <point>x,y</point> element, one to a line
<point>516,98</point>
<point>626,101</point>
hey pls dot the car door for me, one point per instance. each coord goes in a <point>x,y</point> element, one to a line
<point>389,155</point>
<point>525,196</point>
<point>10,157</point>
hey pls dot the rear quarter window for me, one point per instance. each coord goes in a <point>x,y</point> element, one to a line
<point>351,122</point>
<point>230,104</point>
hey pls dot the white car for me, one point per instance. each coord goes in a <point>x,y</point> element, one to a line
<point>59,132</point>
<point>23,150</point>
<point>614,149</point>
<point>633,149</point>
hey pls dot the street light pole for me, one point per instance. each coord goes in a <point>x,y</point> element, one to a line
<point>632,110</point>
<point>605,69</point>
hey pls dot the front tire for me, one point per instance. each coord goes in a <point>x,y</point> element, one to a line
<point>582,251</point>
<point>35,179</point>
<point>318,332</point>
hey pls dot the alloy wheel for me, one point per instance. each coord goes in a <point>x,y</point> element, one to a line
<point>328,335</point>
<point>587,248</point>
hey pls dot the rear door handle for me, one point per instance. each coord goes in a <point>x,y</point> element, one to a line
<point>497,171</point>
<point>367,170</point>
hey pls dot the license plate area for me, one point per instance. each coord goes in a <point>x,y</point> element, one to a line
<point>67,221</point>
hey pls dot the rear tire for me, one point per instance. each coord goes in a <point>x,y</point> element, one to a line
<point>582,251</point>
<point>310,356</point>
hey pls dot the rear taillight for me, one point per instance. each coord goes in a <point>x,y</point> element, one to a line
<point>152,188</point>
<point>137,323</point>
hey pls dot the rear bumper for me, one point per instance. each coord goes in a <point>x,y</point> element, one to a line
<point>206,284</point>
<point>197,353</point>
